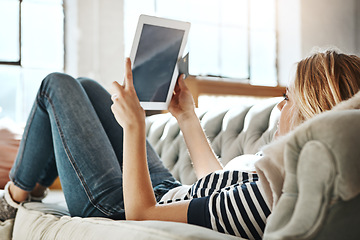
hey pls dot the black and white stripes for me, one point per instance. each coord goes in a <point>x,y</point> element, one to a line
<point>234,204</point>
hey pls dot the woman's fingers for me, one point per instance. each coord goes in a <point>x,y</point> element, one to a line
<point>177,87</point>
<point>114,97</point>
<point>126,106</point>
<point>118,90</point>
<point>128,74</point>
<point>117,86</point>
<point>128,81</point>
<point>181,81</point>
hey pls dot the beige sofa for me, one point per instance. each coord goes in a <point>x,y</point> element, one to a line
<point>328,206</point>
<point>233,132</point>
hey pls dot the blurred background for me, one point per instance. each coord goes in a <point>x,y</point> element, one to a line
<point>247,45</point>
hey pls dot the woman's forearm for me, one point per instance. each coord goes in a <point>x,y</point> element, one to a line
<point>201,153</point>
<point>139,198</point>
<point>138,192</point>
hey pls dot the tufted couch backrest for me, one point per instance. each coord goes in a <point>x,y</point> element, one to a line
<point>232,131</point>
<point>320,195</point>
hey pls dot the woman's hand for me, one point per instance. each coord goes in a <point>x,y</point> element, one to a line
<point>139,198</point>
<point>183,109</point>
<point>126,106</point>
<point>182,102</point>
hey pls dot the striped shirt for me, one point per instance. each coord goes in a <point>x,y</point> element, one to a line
<point>229,202</point>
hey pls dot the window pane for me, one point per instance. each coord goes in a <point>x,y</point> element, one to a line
<point>174,9</point>
<point>234,13</point>
<point>234,39</point>
<point>262,14</point>
<point>263,42</point>
<point>263,58</point>
<point>205,11</point>
<point>220,40</point>
<point>204,50</point>
<point>42,34</point>
<point>132,10</point>
<point>9,30</point>
<point>10,91</point>
<point>234,53</point>
<point>31,79</point>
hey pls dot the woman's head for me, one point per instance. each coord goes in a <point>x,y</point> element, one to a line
<point>321,81</point>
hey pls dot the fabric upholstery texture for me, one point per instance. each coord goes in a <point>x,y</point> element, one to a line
<point>42,221</point>
<point>232,132</point>
<point>322,167</point>
<point>6,229</point>
<point>316,171</point>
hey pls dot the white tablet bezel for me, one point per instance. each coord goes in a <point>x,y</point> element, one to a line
<point>162,22</point>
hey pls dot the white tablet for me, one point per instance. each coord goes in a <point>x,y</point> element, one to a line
<point>158,45</point>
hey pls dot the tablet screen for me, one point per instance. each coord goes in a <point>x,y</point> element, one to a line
<point>155,61</point>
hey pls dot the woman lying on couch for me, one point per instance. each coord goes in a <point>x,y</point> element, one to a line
<point>74,131</point>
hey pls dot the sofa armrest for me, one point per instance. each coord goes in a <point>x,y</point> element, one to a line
<point>320,195</point>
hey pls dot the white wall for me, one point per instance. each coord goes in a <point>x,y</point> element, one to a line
<point>305,25</point>
<point>94,39</point>
<point>330,22</point>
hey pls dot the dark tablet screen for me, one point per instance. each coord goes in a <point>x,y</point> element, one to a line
<point>155,62</point>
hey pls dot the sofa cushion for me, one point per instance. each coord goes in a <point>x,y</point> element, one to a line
<point>6,229</point>
<point>47,221</point>
<point>232,132</point>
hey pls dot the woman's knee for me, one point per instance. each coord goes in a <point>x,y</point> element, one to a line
<point>92,87</point>
<point>58,80</point>
<point>88,83</point>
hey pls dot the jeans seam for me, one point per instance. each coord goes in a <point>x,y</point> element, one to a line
<point>71,159</point>
<point>21,153</point>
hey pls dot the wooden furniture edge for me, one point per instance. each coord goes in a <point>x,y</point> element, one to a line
<point>199,86</point>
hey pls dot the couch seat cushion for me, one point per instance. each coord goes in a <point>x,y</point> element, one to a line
<point>46,221</point>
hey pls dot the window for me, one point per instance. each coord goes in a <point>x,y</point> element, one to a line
<point>234,39</point>
<point>31,46</point>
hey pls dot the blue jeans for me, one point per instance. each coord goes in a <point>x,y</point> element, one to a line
<point>71,132</point>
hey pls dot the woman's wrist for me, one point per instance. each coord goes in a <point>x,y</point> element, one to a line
<point>188,121</point>
<point>186,116</point>
<point>135,126</point>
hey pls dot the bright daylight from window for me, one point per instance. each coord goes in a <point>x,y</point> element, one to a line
<point>235,39</point>
<point>24,63</point>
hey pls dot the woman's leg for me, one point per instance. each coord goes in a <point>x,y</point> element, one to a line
<point>101,101</point>
<point>64,124</point>
<point>54,107</point>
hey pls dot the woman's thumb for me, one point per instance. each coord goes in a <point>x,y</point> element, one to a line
<point>182,84</point>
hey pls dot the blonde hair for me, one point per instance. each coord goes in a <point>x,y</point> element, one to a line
<point>323,80</point>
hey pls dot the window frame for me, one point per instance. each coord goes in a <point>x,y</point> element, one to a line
<point>18,63</point>
<point>249,66</point>
<point>222,85</point>
<point>25,73</point>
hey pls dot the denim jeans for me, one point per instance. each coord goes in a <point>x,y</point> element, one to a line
<point>71,132</point>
